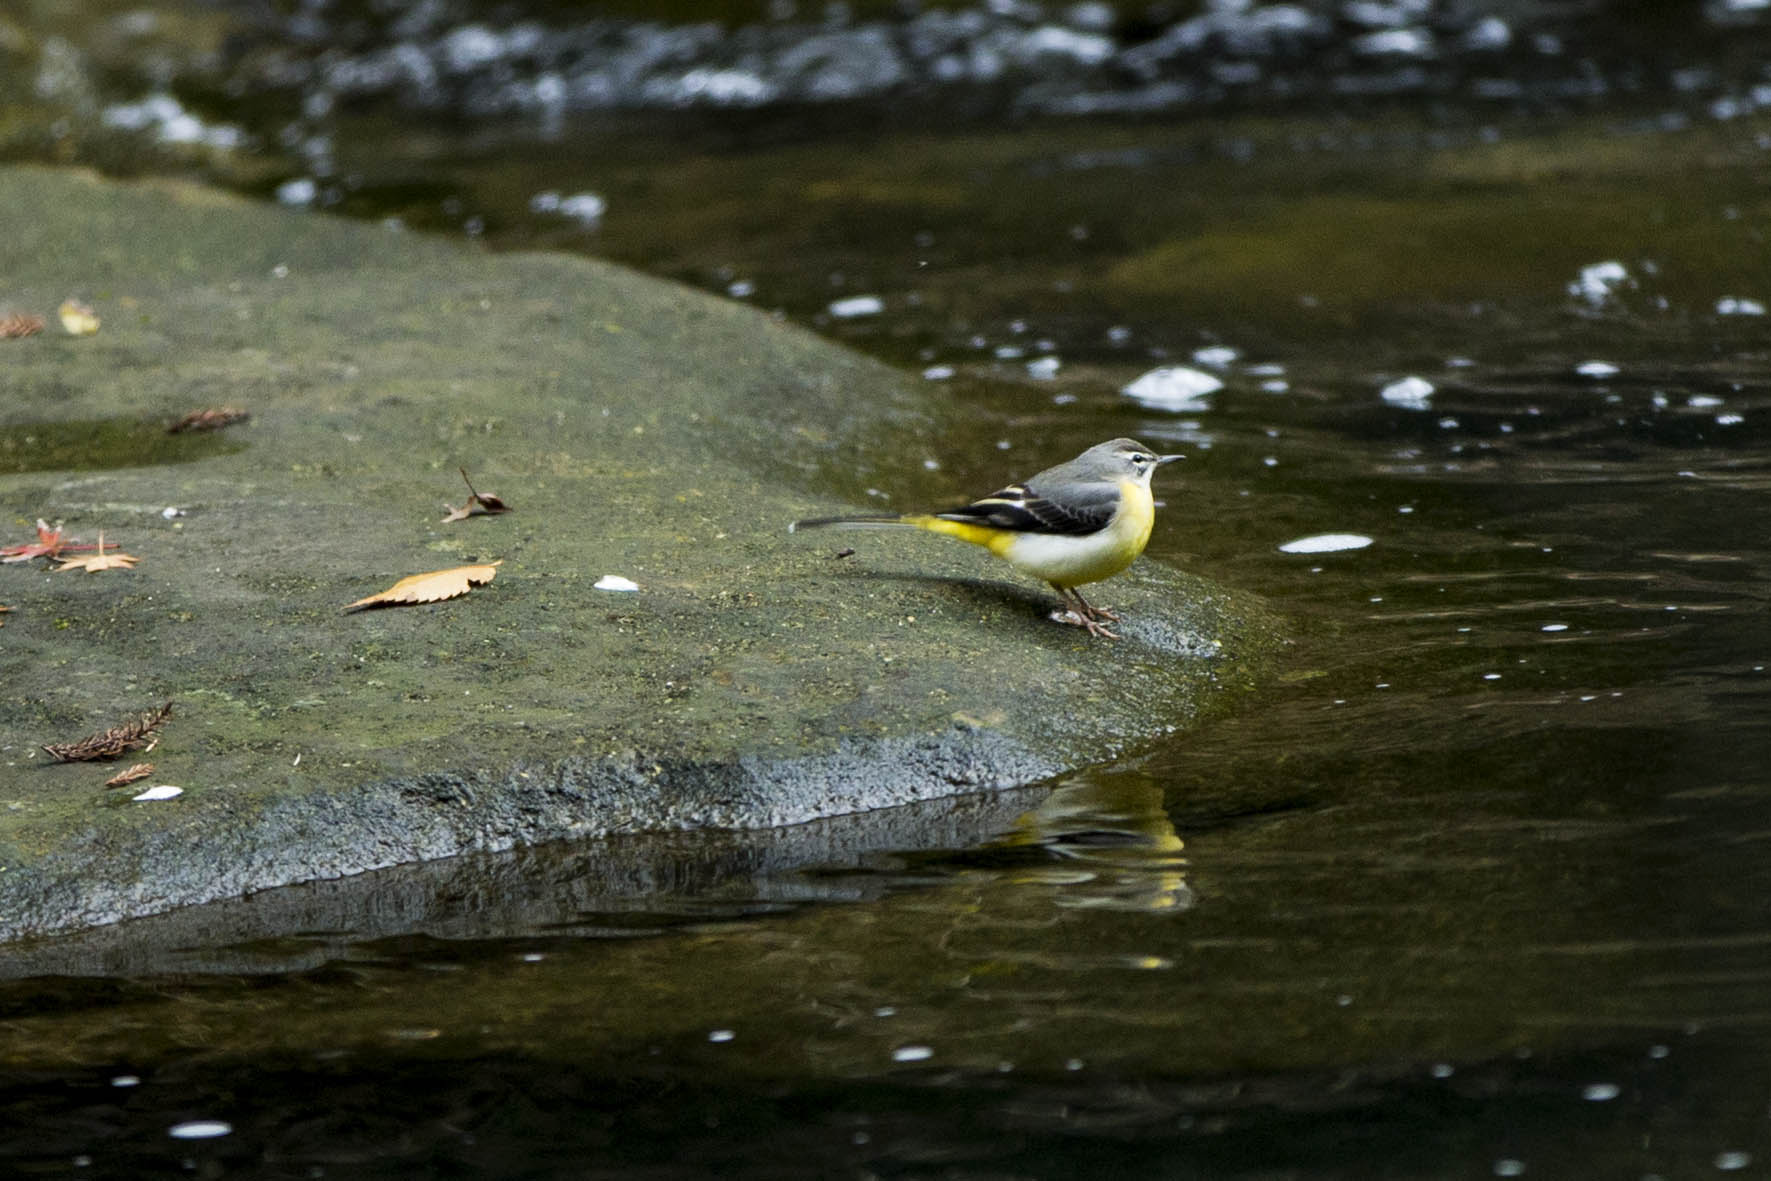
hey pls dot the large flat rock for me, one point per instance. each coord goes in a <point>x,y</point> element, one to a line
<point>638,429</point>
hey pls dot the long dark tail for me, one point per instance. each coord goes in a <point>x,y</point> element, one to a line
<point>868,521</point>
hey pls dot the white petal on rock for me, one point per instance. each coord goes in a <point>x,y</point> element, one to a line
<point>614,582</point>
<point>164,791</point>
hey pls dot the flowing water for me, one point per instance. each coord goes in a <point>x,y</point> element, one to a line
<point>1479,888</point>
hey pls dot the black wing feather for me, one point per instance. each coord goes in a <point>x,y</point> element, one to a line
<point>1086,509</point>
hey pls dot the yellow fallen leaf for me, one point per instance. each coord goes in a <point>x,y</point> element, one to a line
<point>432,587</point>
<point>77,319</point>
<point>93,563</point>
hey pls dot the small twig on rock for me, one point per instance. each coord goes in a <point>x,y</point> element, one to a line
<point>212,419</point>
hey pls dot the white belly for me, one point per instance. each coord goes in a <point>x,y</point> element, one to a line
<point>1075,561</point>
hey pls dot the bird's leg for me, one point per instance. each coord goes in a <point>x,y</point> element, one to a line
<point>1090,610</point>
<point>1077,613</point>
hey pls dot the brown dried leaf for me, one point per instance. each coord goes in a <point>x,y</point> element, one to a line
<point>113,742</point>
<point>93,563</point>
<point>432,587</point>
<point>479,504</point>
<point>20,324</point>
<point>76,318</point>
<point>211,419</point>
<point>125,778</point>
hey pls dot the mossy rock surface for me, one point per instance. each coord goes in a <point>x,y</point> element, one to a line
<point>637,428</point>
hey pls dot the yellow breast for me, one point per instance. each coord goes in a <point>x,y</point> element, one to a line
<point>1136,515</point>
<point>1076,561</point>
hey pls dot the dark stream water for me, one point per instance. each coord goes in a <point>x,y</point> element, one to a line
<point>1480,887</point>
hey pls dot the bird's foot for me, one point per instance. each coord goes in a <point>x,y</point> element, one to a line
<point>1075,618</point>
<point>1073,599</point>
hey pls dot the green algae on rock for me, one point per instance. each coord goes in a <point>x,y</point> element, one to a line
<point>651,433</point>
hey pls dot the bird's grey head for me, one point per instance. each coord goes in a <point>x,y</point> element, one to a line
<point>1124,458</point>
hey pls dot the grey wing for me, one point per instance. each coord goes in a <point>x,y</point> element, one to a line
<point>1083,509</point>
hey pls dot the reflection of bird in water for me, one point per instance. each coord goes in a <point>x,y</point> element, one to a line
<point>1122,849</point>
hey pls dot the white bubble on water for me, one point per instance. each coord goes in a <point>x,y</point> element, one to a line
<point>298,193</point>
<point>585,208</point>
<point>1599,283</point>
<point>1325,543</point>
<point>857,305</point>
<point>1174,387</point>
<point>1410,393</point>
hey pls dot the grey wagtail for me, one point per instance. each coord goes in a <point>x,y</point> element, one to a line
<point>1070,525</point>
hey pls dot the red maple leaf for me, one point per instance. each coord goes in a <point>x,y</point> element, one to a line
<point>49,544</point>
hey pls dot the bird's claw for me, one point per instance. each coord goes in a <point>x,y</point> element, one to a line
<point>1076,618</point>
